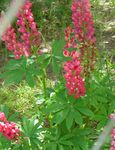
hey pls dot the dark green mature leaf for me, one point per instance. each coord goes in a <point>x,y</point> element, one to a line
<point>53,108</point>
<point>60,116</point>
<point>14,76</point>
<point>30,79</point>
<point>56,66</point>
<point>69,120</point>
<point>57,47</point>
<point>57,55</point>
<point>85,111</point>
<point>77,116</point>
<point>66,142</point>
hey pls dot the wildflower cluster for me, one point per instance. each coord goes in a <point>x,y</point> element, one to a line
<point>79,38</point>
<point>84,32</point>
<point>82,21</point>
<point>82,35</point>
<point>112,116</point>
<point>74,82</point>
<point>28,34</point>
<point>8,129</point>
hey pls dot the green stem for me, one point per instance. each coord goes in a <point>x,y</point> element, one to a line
<point>44,83</point>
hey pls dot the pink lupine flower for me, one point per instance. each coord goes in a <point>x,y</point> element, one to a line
<point>66,53</point>
<point>10,38</point>
<point>8,129</point>
<point>81,36</point>
<point>29,35</point>
<point>82,20</point>
<point>74,81</point>
<point>3,117</point>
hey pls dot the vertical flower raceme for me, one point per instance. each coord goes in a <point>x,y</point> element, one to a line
<point>81,36</point>
<point>8,129</point>
<point>28,34</point>
<point>80,39</point>
<point>82,21</point>
<point>84,32</point>
<point>74,81</point>
<point>112,147</point>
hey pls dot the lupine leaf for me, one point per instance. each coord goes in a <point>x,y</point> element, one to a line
<point>69,120</point>
<point>60,116</point>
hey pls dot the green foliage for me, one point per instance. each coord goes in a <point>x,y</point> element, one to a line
<point>20,98</point>
<point>17,70</point>
<point>50,119</point>
<point>30,131</point>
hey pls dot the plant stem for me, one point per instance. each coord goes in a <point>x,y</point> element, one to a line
<point>44,83</point>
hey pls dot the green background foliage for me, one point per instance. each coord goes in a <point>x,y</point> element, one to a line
<point>33,92</point>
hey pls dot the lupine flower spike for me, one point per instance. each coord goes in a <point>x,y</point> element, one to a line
<point>81,36</point>
<point>8,129</point>
<point>28,34</point>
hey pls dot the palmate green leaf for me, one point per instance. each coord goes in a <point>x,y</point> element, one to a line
<point>85,111</point>
<point>56,66</point>
<point>77,117</point>
<point>50,137</point>
<point>66,140</point>
<point>67,137</point>
<point>14,71</point>
<point>100,117</point>
<point>29,128</point>
<point>68,143</point>
<point>12,64</point>
<point>80,143</point>
<point>15,76</point>
<point>44,60</point>
<point>26,145</point>
<point>69,120</point>
<point>51,146</point>
<point>83,144</point>
<point>34,69</point>
<point>35,143</point>
<point>61,147</point>
<point>60,116</point>
<point>25,123</point>
<point>4,143</point>
<point>30,79</point>
<point>57,47</point>
<point>53,108</point>
<point>57,55</point>
<point>82,132</point>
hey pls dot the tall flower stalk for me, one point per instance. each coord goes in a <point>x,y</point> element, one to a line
<point>81,36</point>
<point>80,41</point>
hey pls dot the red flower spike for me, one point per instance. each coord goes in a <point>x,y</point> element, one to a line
<point>8,129</point>
<point>29,36</point>
<point>74,82</point>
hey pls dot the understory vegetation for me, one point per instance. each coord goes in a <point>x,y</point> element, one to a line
<point>57,75</point>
